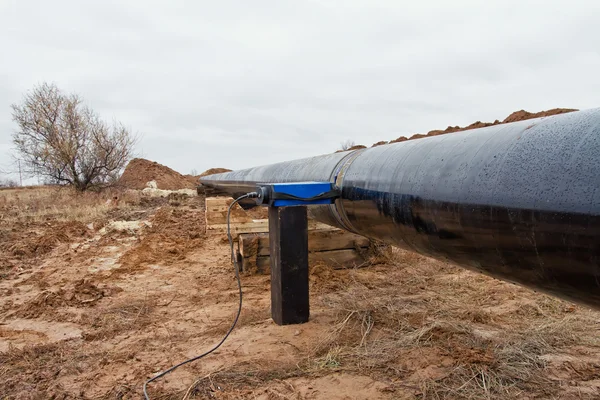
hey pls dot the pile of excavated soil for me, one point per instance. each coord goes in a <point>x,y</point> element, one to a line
<point>140,171</point>
<point>172,234</point>
<point>195,178</point>
<point>520,115</point>
<point>213,171</point>
<point>39,239</point>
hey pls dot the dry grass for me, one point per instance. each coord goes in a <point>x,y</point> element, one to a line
<point>117,319</point>
<point>404,324</point>
<point>493,355</point>
<point>32,371</point>
<point>60,204</point>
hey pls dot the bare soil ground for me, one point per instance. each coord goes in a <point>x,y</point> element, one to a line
<point>90,312</point>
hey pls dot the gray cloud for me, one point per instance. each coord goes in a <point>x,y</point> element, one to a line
<point>236,83</point>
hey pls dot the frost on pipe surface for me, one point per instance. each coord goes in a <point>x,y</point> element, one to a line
<point>520,201</point>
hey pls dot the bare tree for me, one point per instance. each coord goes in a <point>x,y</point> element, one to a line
<point>65,142</point>
<point>347,145</point>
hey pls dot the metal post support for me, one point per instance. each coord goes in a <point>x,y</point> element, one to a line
<point>288,240</point>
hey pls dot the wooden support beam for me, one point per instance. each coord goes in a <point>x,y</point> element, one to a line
<point>338,259</point>
<point>318,240</point>
<point>255,226</point>
<point>288,235</point>
<point>333,246</point>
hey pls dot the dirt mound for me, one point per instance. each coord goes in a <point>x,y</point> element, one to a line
<point>380,143</point>
<point>213,171</point>
<point>140,171</point>
<point>42,240</point>
<point>83,294</point>
<point>173,234</point>
<point>520,115</point>
<point>400,139</point>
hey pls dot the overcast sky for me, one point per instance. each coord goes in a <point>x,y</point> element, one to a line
<point>241,83</point>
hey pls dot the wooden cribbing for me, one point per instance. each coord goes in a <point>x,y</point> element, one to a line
<point>325,244</point>
<point>241,222</point>
<point>332,246</point>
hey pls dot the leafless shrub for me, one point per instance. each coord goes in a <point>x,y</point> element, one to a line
<point>347,145</point>
<point>65,142</point>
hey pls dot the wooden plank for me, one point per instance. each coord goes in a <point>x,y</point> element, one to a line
<point>248,244</point>
<point>315,225</point>
<point>256,226</point>
<point>217,202</point>
<point>318,240</point>
<point>339,259</point>
<point>217,209</point>
<point>219,218</point>
<point>288,235</point>
<point>261,225</point>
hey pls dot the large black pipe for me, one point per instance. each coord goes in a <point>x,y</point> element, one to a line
<point>519,201</point>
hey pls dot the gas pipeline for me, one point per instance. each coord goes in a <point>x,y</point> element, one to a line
<point>518,201</point>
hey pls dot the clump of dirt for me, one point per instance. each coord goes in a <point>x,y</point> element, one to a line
<point>520,115</point>
<point>450,129</point>
<point>140,171</point>
<point>380,143</point>
<point>40,240</point>
<point>357,147</point>
<point>41,304</point>
<point>213,171</point>
<point>83,293</point>
<point>173,234</point>
<point>38,245</point>
<point>400,139</point>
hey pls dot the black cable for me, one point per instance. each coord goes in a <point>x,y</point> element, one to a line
<point>239,311</point>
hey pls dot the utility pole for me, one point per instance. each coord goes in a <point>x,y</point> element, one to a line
<point>20,174</point>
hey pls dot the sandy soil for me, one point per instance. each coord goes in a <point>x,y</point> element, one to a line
<point>86,315</point>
